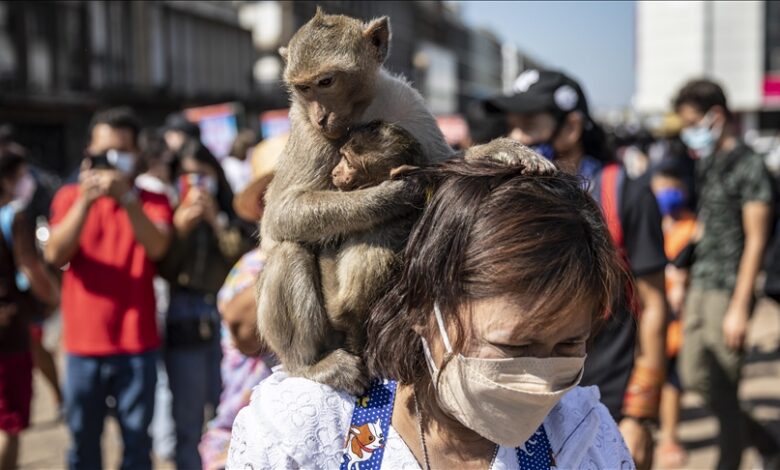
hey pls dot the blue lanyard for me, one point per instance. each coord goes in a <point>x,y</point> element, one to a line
<point>368,432</point>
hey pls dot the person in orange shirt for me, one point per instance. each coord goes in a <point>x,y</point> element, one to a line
<point>679,227</point>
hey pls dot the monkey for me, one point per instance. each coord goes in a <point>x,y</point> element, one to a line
<point>511,153</point>
<point>335,78</point>
<point>333,70</point>
<point>373,153</point>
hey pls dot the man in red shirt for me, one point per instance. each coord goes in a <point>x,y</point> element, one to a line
<point>109,234</point>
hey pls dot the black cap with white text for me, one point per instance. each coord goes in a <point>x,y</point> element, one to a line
<point>537,91</point>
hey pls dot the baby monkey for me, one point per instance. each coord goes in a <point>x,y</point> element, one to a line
<point>373,153</point>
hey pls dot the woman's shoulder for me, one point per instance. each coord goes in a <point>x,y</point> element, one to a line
<point>583,434</point>
<point>291,422</point>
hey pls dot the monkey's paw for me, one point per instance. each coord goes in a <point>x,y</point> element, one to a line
<point>512,153</point>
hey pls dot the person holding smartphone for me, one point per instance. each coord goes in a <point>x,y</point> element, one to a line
<point>27,290</point>
<point>209,239</point>
<point>107,235</point>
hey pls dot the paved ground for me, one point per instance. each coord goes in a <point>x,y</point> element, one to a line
<point>43,446</point>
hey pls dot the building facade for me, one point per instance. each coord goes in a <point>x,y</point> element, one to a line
<point>450,63</point>
<point>62,60</point>
<point>737,43</point>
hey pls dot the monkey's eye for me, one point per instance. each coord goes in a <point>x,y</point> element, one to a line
<point>325,82</point>
<point>302,88</point>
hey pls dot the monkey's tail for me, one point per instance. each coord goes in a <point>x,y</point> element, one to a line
<point>341,370</point>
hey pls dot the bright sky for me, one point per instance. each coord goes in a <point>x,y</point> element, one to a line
<point>593,41</point>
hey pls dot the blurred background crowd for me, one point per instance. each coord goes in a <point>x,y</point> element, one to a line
<point>189,95</point>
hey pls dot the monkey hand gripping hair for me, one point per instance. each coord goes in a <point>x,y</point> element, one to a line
<point>512,153</point>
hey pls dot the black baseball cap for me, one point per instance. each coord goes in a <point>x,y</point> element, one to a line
<point>537,91</point>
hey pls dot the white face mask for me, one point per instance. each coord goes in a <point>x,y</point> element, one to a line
<point>25,189</point>
<point>124,162</point>
<point>503,400</point>
<point>703,137</point>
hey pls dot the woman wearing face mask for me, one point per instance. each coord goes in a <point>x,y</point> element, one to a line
<point>23,279</point>
<point>548,110</point>
<point>209,240</point>
<point>679,226</point>
<point>477,348</point>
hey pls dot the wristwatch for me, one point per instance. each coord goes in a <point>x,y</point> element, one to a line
<point>129,197</point>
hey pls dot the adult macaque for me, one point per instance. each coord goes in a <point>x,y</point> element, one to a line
<point>336,80</point>
<point>333,68</point>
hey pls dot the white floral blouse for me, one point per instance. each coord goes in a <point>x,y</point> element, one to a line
<point>293,422</point>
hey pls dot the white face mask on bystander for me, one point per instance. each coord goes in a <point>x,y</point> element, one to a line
<point>503,400</point>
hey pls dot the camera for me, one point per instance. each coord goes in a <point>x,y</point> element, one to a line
<point>113,160</point>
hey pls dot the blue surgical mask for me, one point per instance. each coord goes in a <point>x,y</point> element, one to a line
<point>670,200</point>
<point>702,138</point>
<point>544,149</point>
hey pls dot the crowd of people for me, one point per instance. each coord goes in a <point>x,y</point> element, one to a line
<point>151,258</point>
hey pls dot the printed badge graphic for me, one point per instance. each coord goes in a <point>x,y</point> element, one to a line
<point>363,441</point>
<point>369,427</point>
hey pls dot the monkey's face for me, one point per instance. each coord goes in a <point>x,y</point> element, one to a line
<point>331,66</point>
<point>331,101</point>
<point>345,176</point>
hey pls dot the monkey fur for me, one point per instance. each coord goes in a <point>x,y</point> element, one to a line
<point>373,153</point>
<point>334,72</point>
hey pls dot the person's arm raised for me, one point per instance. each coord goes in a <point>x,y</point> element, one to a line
<point>64,239</point>
<point>155,239</point>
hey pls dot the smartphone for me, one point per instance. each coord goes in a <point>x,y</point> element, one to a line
<point>99,162</point>
<point>188,181</point>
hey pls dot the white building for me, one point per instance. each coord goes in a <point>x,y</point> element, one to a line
<point>736,43</point>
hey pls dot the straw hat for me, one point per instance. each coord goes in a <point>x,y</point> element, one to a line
<point>249,202</point>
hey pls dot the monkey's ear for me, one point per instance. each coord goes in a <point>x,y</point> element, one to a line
<point>318,14</point>
<point>377,32</point>
<point>283,53</point>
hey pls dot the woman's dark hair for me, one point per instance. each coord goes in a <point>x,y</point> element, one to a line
<point>154,149</point>
<point>595,142</point>
<point>194,149</point>
<point>12,157</point>
<point>703,95</point>
<point>490,231</point>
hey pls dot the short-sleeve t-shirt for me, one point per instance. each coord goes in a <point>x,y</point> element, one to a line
<point>726,182</point>
<point>611,357</point>
<point>108,304</point>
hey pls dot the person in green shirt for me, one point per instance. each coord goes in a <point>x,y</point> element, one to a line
<point>735,197</point>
